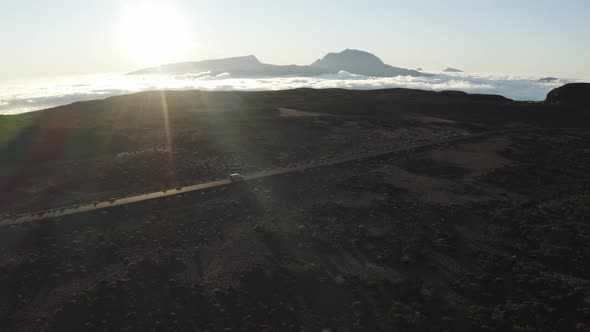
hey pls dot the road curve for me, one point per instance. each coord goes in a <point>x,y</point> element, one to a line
<point>60,212</point>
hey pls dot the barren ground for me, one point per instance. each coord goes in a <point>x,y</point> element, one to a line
<point>488,234</point>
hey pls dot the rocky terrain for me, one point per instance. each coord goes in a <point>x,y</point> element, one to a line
<point>485,234</point>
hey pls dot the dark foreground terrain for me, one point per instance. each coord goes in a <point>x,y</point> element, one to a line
<point>485,234</point>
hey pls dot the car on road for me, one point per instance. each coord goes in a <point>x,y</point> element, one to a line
<point>236,177</point>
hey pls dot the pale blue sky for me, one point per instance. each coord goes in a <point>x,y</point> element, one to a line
<point>539,37</point>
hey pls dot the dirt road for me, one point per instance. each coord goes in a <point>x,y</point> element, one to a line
<point>64,211</point>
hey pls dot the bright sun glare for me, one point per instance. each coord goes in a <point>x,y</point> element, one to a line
<point>153,34</point>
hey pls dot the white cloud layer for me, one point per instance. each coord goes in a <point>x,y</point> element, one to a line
<point>20,98</point>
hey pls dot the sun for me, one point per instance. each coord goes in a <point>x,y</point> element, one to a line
<point>153,33</point>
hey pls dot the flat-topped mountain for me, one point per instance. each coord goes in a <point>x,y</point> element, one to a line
<point>353,61</point>
<point>360,62</point>
<point>452,70</point>
<point>241,66</point>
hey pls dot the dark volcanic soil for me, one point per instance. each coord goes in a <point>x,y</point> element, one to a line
<point>489,234</point>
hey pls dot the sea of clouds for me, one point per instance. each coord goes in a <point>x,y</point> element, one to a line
<point>37,95</point>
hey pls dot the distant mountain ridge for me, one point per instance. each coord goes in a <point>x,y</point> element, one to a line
<point>353,61</point>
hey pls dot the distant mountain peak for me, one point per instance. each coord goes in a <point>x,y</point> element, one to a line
<point>548,79</point>
<point>238,59</point>
<point>352,51</point>
<point>346,57</point>
<point>453,70</point>
<point>350,60</point>
<point>360,62</point>
<point>252,57</point>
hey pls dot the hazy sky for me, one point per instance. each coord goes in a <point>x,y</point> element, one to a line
<point>63,37</point>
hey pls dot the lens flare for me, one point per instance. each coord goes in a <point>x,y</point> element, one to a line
<point>153,34</point>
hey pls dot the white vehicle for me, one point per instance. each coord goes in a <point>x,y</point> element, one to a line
<point>235,177</point>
